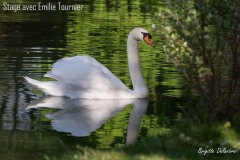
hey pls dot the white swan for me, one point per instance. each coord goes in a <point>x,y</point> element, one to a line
<point>84,77</point>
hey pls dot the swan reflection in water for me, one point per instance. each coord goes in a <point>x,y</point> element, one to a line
<point>80,117</point>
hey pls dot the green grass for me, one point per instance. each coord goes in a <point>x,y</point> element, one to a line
<point>180,143</point>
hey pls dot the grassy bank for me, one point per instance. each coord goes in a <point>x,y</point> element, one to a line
<point>181,143</point>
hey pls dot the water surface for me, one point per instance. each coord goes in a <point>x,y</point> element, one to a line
<point>30,41</point>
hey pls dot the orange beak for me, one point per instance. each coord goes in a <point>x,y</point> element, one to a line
<point>149,41</point>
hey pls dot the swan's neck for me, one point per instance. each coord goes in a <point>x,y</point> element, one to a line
<point>139,87</point>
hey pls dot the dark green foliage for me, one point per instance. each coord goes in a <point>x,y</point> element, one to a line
<point>203,40</point>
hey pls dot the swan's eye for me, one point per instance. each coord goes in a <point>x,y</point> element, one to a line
<point>149,35</point>
<point>146,34</point>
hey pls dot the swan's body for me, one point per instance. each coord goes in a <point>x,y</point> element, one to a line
<point>84,77</point>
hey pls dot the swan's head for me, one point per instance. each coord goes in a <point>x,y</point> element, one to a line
<point>141,34</point>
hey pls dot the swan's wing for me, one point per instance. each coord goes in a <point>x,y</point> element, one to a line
<point>84,73</point>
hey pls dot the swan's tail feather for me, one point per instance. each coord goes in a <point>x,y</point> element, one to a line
<point>43,86</point>
<point>34,82</point>
<point>53,88</point>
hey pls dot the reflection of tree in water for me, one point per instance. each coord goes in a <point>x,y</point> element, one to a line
<point>25,43</point>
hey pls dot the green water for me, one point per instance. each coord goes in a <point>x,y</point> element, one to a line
<point>31,41</point>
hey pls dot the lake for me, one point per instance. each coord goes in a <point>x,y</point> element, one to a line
<point>34,125</point>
